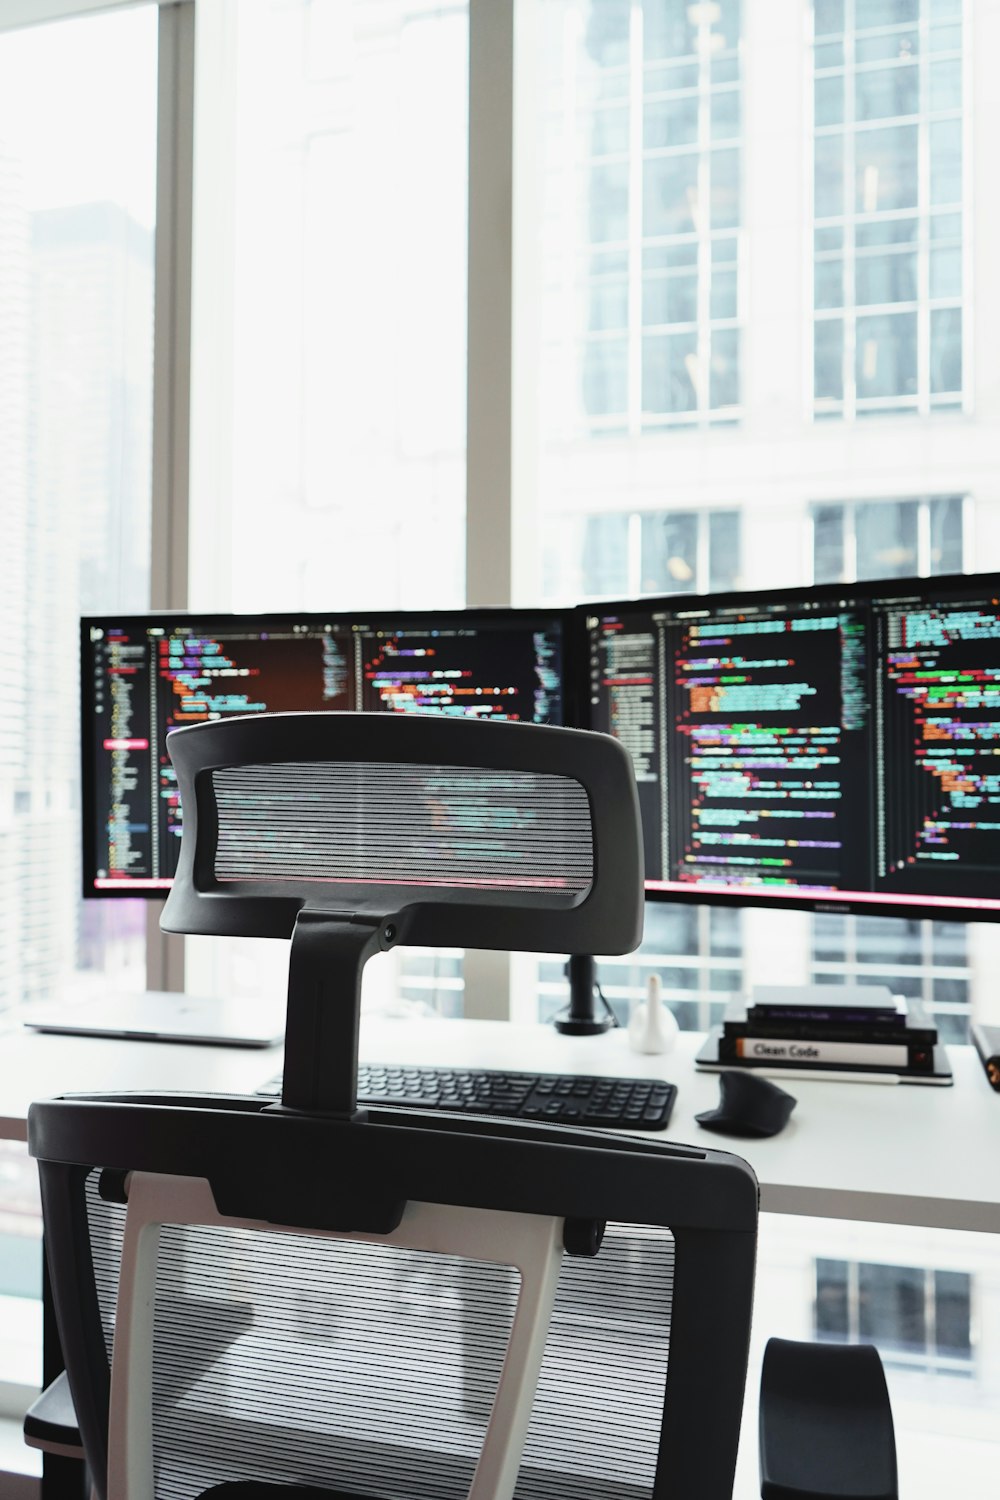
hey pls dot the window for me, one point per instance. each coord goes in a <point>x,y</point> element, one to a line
<point>709,284</point>
<point>345,349</point>
<point>918,1318</point>
<point>627,553</point>
<point>888,538</point>
<point>641,111</point>
<point>76,309</point>
<point>696,950</point>
<point>887,208</point>
<point>926,961</point>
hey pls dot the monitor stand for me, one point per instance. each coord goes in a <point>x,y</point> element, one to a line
<point>588,1013</point>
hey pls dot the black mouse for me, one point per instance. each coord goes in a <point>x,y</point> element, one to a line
<point>748,1105</point>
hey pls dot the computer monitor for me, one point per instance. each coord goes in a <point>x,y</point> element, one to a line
<point>143,676</point>
<point>834,748</point>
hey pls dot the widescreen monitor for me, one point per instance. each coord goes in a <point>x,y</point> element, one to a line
<point>143,676</point>
<point>834,748</point>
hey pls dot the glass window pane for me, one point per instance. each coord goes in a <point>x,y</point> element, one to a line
<point>608,305</point>
<point>608,202</point>
<point>885,168</point>
<point>828,557</point>
<point>670,194</point>
<point>609,132</point>
<point>832,1319</point>
<point>828,17</point>
<point>724,384</point>
<point>886,278</point>
<point>947,557</point>
<point>669,552</point>
<point>607,33</point>
<point>670,372</point>
<point>946,38</point>
<point>725,177</point>
<point>946,162</point>
<point>723,294</point>
<point>886,534</point>
<point>828,180</point>
<point>946,349</point>
<point>671,122</point>
<point>886,358</point>
<point>725,537</point>
<point>828,55</point>
<point>829,930</point>
<point>873,13</point>
<point>828,359</point>
<point>828,103</point>
<point>885,232</point>
<point>77,219</point>
<point>946,272</point>
<point>668,29</point>
<point>605,377</point>
<point>669,929</point>
<point>605,555</point>
<point>670,299</point>
<point>880,93</point>
<point>952,1314</point>
<point>351,391</point>
<point>828,278</point>
<point>891,1307</point>
<point>725,114</point>
<point>946,85</point>
<point>886,48</point>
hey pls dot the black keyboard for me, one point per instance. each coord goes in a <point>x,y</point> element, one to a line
<point>565,1099</point>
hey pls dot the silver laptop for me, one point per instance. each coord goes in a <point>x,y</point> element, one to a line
<point>161,1016</point>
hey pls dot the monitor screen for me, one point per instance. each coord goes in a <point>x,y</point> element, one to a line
<point>146,675</point>
<point>836,748</point>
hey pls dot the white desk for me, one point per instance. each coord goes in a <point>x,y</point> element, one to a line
<point>895,1154</point>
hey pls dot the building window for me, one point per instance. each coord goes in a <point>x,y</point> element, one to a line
<point>649,97</point>
<point>918,1318</point>
<point>77,222</point>
<point>696,950</point>
<point>926,961</point>
<point>887,206</point>
<point>628,553</point>
<point>888,538</point>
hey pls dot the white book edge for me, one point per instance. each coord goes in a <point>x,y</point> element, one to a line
<point>774,1049</point>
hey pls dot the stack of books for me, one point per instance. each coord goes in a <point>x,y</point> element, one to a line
<point>829,1029</point>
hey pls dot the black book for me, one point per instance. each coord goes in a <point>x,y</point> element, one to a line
<point>829,1005</point>
<point>914,1027</point>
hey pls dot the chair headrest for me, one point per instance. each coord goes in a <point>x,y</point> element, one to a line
<point>485,835</point>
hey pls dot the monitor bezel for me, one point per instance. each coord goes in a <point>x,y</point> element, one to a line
<point>217,619</point>
<point>854,903</point>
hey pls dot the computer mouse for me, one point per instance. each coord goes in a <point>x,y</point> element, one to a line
<point>748,1105</point>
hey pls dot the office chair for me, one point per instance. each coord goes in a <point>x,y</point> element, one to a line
<point>281,1301</point>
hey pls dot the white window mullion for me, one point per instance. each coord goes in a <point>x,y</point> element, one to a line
<point>501,551</point>
<point>490,544</point>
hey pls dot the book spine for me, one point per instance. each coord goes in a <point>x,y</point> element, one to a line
<point>815,1015</point>
<point>799,1053</point>
<point>907,1036</point>
<point>986,1040</point>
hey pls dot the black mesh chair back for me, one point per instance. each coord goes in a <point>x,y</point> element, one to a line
<point>277,1301</point>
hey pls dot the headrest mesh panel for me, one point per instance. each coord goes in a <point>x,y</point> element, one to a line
<point>395,824</point>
